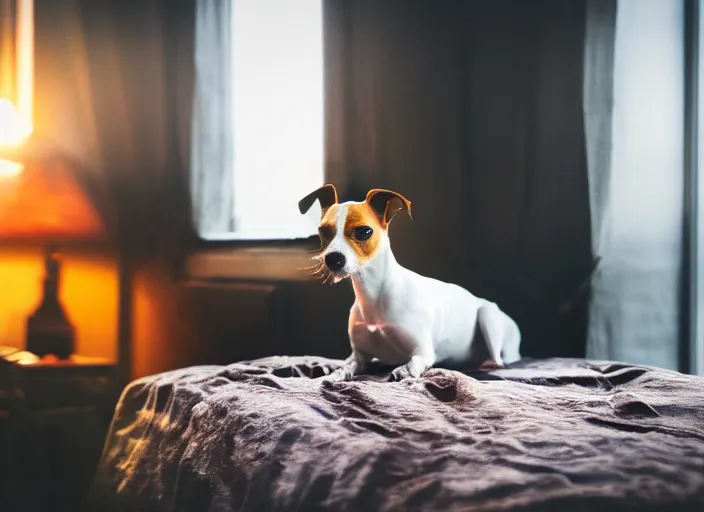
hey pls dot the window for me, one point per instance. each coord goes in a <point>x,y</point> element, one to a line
<point>276,97</point>
<point>277,115</point>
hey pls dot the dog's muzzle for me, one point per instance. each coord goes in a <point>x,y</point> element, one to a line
<point>335,261</point>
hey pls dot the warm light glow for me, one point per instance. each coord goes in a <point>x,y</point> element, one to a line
<point>16,120</point>
<point>88,291</point>
<point>277,108</point>
<point>47,202</point>
<point>9,169</point>
<point>14,129</point>
<point>25,62</point>
<point>23,357</point>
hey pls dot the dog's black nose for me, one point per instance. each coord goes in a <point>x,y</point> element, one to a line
<point>335,261</point>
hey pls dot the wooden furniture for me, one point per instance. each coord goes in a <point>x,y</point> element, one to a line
<point>63,422</point>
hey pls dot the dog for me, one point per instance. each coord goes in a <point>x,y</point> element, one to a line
<point>400,318</point>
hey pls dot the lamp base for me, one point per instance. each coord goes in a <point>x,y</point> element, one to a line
<point>48,330</point>
<point>45,336</point>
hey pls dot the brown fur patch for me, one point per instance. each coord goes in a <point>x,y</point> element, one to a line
<point>362,215</point>
<point>328,225</point>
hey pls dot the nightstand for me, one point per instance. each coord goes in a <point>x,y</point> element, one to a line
<point>66,413</point>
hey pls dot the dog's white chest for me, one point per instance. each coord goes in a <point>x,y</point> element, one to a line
<point>388,343</point>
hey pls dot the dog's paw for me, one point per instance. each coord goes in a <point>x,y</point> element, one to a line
<point>415,368</point>
<point>400,373</point>
<point>406,371</point>
<point>488,366</point>
<point>341,374</point>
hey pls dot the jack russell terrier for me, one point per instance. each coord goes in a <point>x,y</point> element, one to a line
<point>400,318</point>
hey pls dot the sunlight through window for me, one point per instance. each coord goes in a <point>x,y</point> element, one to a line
<point>277,113</point>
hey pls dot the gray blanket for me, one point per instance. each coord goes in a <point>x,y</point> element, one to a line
<point>266,435</point>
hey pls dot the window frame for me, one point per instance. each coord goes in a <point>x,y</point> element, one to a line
<point>692,346</point>
<point>258,260</point>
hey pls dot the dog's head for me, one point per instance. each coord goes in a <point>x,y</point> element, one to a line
<point>352,234</point>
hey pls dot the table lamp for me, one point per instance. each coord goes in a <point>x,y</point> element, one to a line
<point>43,202</point>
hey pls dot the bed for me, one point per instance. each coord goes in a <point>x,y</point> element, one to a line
<point>269,435</point>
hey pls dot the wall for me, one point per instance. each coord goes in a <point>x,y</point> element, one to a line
<point>161,332</point>
<point>196,322</point>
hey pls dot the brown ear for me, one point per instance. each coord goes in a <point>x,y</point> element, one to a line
<point>326,195</point>
<point>386,204</point>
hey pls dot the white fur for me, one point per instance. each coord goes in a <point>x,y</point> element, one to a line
<point>413,322</point>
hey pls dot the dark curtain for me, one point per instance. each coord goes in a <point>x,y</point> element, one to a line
<point>473,110</point>
<point>114,86</point>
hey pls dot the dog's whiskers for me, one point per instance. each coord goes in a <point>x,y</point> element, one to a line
<point>319,270</point>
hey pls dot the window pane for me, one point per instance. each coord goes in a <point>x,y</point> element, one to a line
<point>278,115</point>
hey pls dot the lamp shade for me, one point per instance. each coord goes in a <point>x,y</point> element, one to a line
<point>46,203</point>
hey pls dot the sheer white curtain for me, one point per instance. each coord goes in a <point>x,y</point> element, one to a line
<point>636,158</point>
<point>212,135</point>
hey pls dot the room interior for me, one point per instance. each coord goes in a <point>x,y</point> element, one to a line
<point>493,117</point>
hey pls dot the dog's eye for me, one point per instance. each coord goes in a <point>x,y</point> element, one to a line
<point>363,233</point>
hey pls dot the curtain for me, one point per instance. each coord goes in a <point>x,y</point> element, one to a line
<point>114,89</point>
<point>634,130</point>
<point>473,110</point>
<point>212,160</point>
<point>598,88</point>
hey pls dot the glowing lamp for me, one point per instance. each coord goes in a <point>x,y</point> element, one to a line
<point>44,203</point>
<point>13,131</point>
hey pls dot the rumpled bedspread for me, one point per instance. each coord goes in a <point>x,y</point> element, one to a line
<point>268,435</point>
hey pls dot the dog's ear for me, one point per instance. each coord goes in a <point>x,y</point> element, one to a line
<point>326,195</point>
<point>386,204</point>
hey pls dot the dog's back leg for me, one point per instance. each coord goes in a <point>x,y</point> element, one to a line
<point>493,327</point>
<point>501,334</point>
<point>512,340</point>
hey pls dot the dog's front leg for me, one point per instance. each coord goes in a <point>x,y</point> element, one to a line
<point>416,367</point>
<point>355,364</point>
